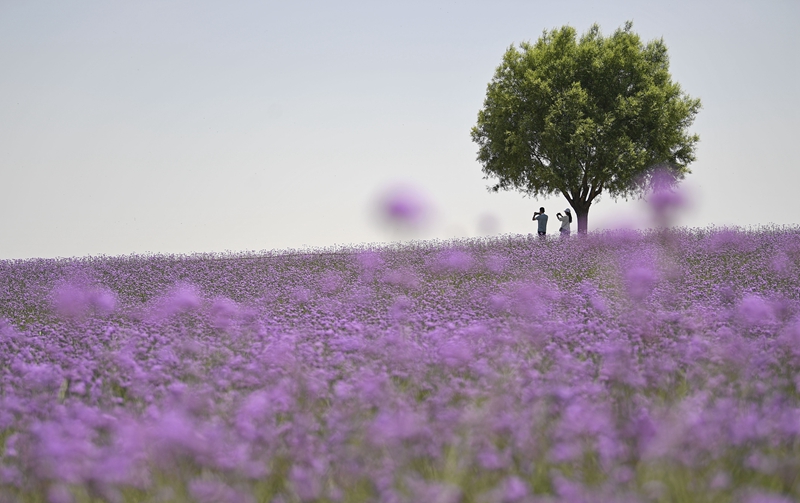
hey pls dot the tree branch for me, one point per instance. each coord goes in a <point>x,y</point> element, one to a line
<point>584,184</point>
<point>596,190</point>
<point>568,196</point>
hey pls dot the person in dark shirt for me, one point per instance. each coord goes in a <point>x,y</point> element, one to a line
<point>542,218</point>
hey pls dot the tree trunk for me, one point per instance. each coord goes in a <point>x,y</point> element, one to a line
<point>581,204</point>
<point>582,214</point>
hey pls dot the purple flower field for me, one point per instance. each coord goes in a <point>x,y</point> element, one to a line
<point>619,366</point>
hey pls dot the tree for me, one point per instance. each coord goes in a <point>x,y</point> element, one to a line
<point>584,116</point>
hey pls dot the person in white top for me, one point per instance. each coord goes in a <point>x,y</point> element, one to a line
<point>565,221</point>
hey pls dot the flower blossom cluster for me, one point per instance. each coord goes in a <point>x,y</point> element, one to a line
<point>615,366</point>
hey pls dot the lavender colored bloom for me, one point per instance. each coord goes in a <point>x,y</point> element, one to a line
<point>183,298</point>
<point>223,312</point>
<point>70,300</point>
<point>453,261</point>
<point>781,262</point>
<point>104,301</point>
<point>306,484</point>
<point>640,282</point>
<point>622,366</point>
<point>456,353</point>
<point>76,300</point>
<point>496,263</point>
<point>514,489</point>
<point>755,311</point>
<point>301,295</point>
<point>665,199</point>
<point>174,435</point>
<point>405,205</point>
<point>399,309</point>
<point>389,428</point>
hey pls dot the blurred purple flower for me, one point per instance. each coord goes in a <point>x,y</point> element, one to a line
<point>721,480</point>
<point>389,428</point>
<point>405,207</point>
<point>453,261</point>
<point>789,339</point>
<point>42,377</point>
<point>330,282</point>
<point>456,353</point>
<point>404,203</point>
<point>223,312</point>
<point>532,299</point>
<point>70,300</point>
<point>665,200</point>
<point>525,375</point>
<point>781,263</point>
<point>490,459</point>
<point>399,310</point>
<point>306,483</point>
<point>727,240</point>
<point>496,263</point>
<point>369,260</point>
<point>104,301</point>
<point>755,311</point>
<point>181,299</point>
<point>76,300</point>
<point>619,364</point>
<point>640,282</point>
<point>402,277</point>
<point>175,435</point>
<point>514,489</point>
<point>301,295</point>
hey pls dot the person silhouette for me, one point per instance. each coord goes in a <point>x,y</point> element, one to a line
<point>565,221</point>
<point>542,218</point>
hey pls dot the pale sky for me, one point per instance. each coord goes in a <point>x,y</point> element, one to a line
<point>196,126</point>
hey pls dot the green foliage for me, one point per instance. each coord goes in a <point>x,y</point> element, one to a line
<point>584,116</point>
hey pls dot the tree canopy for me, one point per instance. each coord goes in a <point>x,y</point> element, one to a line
<point>583,116</point>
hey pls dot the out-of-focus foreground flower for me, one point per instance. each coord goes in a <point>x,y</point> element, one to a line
<point>616,367</point>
